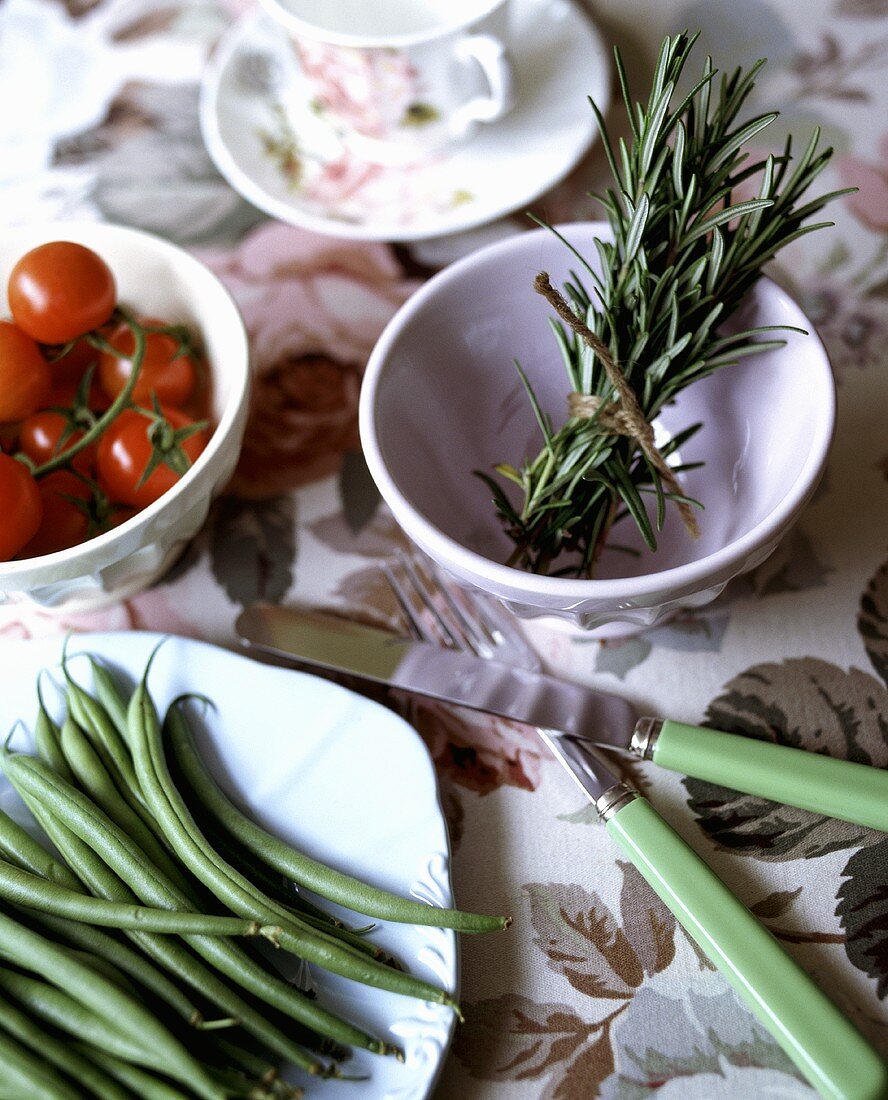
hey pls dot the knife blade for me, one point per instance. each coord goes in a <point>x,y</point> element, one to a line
<point>825,1046</point>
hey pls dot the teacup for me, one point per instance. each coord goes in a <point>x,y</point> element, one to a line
<point>399,79</point>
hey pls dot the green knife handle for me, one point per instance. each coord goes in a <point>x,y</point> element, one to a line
<point>794,777</point>
<point>828,1050</point>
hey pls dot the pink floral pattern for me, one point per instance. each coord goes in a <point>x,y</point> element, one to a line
<point>314,308</point>
<point>870,204</point>
<point>369,91</point>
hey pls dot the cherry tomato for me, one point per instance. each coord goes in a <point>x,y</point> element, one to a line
<point>64,396</point>
<point>70,368</point>
<point>165,374</point>
<point>20,506</point>
<point>125,451</point>
<point>64,524</point>
<point>41,435</point>
<point>60,290</point>
<point>24,375</point>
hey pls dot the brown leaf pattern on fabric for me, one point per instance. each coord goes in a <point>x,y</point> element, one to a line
<point>512,1038</point>
<point>776,903</point>
<point>380,538</point>
<point>583,941</point>
<point>648,924</point>
<point>366,590</point>
<point>584,1074</point>
<point>863,910</point>
<point>805,703</point>
<point>872,622</point>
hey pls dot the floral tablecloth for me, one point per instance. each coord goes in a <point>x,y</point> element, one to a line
<point>595,991</point>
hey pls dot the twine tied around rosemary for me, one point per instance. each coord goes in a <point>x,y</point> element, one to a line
<point>620,417</point>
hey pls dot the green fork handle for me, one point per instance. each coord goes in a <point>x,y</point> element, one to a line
<point>794,777</point>
<point>828,1050</point>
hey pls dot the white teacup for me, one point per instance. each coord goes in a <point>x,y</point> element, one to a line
<point>398,79</point>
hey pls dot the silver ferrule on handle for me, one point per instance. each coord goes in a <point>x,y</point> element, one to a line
<point>644,737</point>
<point>614,799</point>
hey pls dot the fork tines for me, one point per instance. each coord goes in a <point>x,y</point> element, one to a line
<point>437,611</point>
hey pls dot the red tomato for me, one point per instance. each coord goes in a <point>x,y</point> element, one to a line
<point>64,395</point>
<point>20,507</point>
<point>24,375</point>
<point>63,523</point>
<point>40,437</point>
<point>60,290</point>
<point>163,373</point>
<point>125,451</point>
<point>70,368</point>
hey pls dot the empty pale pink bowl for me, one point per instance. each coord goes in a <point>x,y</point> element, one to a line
<point>441,398</point>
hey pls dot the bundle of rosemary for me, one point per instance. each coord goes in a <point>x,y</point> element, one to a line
<point>683,256</point>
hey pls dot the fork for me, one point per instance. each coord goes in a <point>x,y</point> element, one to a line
<point>443,613</point>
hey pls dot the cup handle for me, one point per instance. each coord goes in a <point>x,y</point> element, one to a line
<point>493,57</point>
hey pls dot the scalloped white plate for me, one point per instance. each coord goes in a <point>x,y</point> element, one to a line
<point>344,778</point>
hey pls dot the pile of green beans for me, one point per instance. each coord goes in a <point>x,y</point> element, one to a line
<point>129,964</point>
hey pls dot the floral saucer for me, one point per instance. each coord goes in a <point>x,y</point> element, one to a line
<point>260,130</point>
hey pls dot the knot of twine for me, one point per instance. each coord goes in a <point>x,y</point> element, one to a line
<point>622,416</point>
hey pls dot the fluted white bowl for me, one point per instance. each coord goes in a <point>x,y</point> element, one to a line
<point>441,398</point>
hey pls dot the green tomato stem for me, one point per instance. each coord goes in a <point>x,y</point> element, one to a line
<point>121,402</point>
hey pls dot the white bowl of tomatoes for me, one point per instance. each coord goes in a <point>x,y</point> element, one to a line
<point>124,384</point>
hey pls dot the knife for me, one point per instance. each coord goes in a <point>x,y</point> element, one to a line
<point>574,722</point>
<point>581,718</point>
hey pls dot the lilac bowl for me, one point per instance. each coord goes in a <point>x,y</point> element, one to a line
<point>441,398</point>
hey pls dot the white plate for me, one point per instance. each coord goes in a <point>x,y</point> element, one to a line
<point>342,777</point>
<point>252,88</point>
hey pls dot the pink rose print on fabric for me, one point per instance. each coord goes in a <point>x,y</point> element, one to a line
<point>479,753</point>
<point>314,307</point>
<point>870,204</point>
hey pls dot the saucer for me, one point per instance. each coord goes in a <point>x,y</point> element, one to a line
<point>260,131</point>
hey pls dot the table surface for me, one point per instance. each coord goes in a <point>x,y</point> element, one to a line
<point>594,991</point>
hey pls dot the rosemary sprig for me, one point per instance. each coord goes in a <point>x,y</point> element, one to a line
<point>684,255</point>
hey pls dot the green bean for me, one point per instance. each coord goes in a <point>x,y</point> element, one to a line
<point>32,951</point>
<point>236,892</point>
<point>302,869</point>
<point>260,1070</point>
<point>100,965</point>
<point>141,1084</point>
<point>18,844</point>
<point>56,1007</point>
<point>251,1063</point>
<point>162,948</point>
<point>62,1055</point>
<point>33,1077</point>
<point>111,747</point>
<point>176,959</point>
<point>296,905</point>
<point>109,695</point>
<point>104,883</point>
<point>125,959</point>
<point>34,780</point>
<point>271,882</point>
<point>91,775</point>
<point>32,892</point>
<point>228,958</point>
<point>46,738</point>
